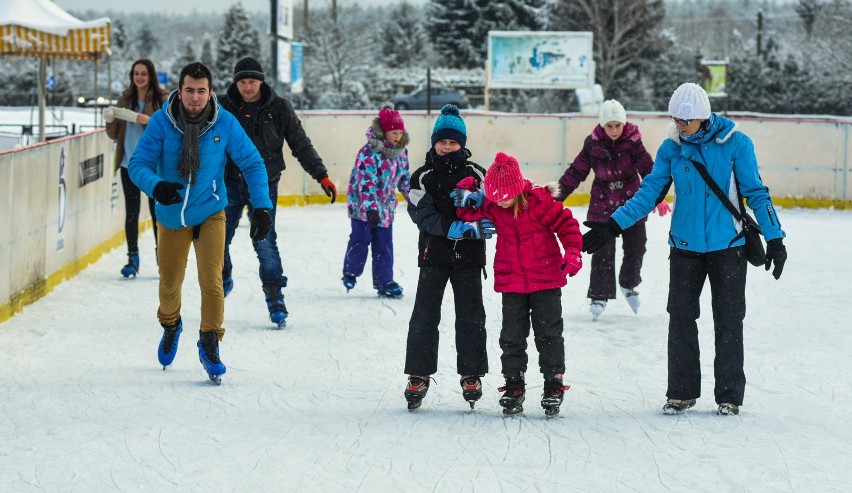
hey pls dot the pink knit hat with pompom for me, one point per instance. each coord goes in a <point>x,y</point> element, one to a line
<point>504,180</point>
<point>390,119</point>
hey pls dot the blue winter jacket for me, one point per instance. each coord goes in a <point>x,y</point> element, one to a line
<point>158,152</point>
<point>700,222</point>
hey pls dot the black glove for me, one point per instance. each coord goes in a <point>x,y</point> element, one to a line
<point>373,218</point>
<point>261,225</point>
<point>166,193</point>
<point>776,251</point>
<point>599,234</point>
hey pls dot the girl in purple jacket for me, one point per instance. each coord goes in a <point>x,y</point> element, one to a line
<point>615,152</point>
<point>530,271</point>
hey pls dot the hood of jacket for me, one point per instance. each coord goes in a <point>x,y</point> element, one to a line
<point>378,143</point>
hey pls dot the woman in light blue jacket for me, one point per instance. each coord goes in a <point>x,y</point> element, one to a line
<point>705,242</point>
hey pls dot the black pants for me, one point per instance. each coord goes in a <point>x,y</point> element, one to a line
<point>421,353</point>
<point>726,270</point>
<point>542,309</point>
<point>132,196</point>
<point>602,277</point>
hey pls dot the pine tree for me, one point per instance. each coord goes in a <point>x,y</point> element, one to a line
<point>237,39</point>
<point>625,34</point>
<point>207,52</point>
<point>119,35</point>
<point>146,42</point>
<point>403,37</point>
<point>184,59</point>
<point>455,41</point>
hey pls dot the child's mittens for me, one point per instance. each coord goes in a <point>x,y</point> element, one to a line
<point>466,198</point>
<point>572,262</point>
<point>468,183</point>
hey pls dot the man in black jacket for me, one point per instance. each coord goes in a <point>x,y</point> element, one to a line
<point>449,250</point>
<point>268,120</point>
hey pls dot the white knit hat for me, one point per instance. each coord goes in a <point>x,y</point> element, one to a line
<point>612,111</point>
<point>690,102</point>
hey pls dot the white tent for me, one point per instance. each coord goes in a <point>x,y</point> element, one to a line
<point>40,28</point>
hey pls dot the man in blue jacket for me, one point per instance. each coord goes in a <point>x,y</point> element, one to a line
<point>180,161</point>
<point>705,240</point>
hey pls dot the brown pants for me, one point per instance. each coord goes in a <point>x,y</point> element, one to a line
<point>173,252</point>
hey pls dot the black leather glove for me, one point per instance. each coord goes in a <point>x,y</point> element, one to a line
<point>166,193</point>
<point>599,234</point>
<point>373,218</point>
<point>261,224</point>
<point>777,252</point>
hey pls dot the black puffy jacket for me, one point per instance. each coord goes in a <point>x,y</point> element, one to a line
<point>274,122</point>
<point>432,209</point>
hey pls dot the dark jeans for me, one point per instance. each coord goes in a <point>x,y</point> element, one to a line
<point>421,353</point>
<point>726,270</point>
<point>542,309</point>
<point>271,270</point>
<point>132,196</point>
<point>380,241</point>
<point>602,277</point>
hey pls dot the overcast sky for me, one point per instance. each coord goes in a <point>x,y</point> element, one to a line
<point>187,6</point>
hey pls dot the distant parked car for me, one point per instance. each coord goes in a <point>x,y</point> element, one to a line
<point>440,96</point>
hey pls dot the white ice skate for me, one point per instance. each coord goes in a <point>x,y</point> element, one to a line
<point>632,298</point>
<point>597,307</point>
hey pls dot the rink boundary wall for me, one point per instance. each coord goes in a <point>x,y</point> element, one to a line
<point>46,237</point>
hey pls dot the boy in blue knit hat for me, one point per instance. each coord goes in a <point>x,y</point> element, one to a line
<point>449,250</point>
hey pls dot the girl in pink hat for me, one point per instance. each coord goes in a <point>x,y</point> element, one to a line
<point>530,270</point>
<point>381,168</point>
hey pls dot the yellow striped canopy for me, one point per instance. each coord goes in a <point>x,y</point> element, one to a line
<point>83,43</point>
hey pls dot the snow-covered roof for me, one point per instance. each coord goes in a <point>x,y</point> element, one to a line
<point>43,15</point>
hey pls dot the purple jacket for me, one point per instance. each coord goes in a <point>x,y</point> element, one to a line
<point>618,166</point>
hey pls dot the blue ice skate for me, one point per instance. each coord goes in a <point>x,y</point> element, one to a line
<point>390,290</point>
<point>208,354</point>
<point>275,303</point>
<point>132,267</point>
<point>167,349</point>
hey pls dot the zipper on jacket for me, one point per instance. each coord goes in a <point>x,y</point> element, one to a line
<point>185,202</point>
<point>771,215</point>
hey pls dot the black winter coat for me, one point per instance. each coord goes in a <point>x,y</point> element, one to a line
<point>432,209</point>
<point>274,122</point>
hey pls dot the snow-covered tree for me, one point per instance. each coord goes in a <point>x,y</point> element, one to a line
<point>207,52</point>
<point>808,11</point>
<point>146,42</point>
<point>459,28</point>
<point>237,39</point>
<point>403,37</point>
<point>186,57</point>
<point>626,38</point>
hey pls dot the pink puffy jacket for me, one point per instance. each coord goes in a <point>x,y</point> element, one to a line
<point>528,258</point>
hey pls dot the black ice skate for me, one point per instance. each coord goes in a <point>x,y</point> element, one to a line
<point>416,390</point>
<point>677,406</point>
<point>471,389</point>
<point>513,395</point>
<point>728,409</point>
<point>554,392</point>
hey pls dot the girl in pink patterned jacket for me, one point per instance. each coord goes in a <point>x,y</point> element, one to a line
<point>529,270</point>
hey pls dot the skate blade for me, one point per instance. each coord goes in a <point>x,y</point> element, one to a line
<point>217,379</point>
<point>413,406</point>
<point>551,412</point>
<point>513,411</point>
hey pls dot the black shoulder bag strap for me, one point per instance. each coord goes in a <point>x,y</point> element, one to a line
<point>738,214</point>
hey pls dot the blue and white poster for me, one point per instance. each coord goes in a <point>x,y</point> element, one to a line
<point>540,60</point>
<point>297,81</point>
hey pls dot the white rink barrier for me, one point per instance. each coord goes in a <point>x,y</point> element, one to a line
<point>61,207</point>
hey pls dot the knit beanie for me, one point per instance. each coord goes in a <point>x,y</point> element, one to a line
<point>690,102</point>
<point>504,180</point>
<point>612,111</point>
<point>390,119</point>
<point>248,68</point>
<point>450,126</point>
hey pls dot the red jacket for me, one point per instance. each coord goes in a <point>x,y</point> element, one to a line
<point>528,258</point>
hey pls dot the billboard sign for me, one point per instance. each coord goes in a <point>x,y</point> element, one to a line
<point>540,59</point>
<point>297,80</point>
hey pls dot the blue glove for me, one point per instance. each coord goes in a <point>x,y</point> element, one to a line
<point>461,230</point>
<point>466,198</point>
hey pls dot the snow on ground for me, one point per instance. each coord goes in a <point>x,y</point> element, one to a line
<point>319,405</point>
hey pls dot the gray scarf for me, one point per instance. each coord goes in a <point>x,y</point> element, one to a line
<point>189,156</point>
